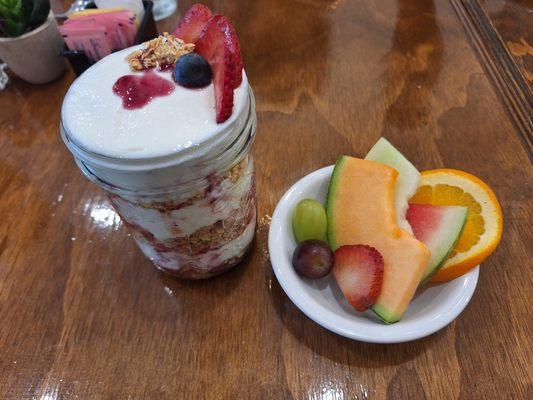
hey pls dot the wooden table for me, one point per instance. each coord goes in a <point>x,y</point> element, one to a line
<point>85,316</point>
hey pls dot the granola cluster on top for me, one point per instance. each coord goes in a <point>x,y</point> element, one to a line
<point>161,52</point>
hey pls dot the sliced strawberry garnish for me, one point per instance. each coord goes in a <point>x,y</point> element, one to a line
<point>218,44</point>
<point>358,269</point>
<point>219,31</point>
<point>223,81</point>
<point>193,23</point>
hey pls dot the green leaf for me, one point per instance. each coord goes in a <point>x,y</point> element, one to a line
<point>20,16</point>
<point>11,19</point>
<point>16,6</point>
<point>11,28</point>
<point>10,8</point>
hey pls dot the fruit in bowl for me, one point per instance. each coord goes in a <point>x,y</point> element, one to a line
<point>359,273</point>
<point>415,223</point>
<point>309,221</point>
<point>313,259</point>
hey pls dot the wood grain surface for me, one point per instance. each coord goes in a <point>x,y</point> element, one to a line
<point>500,32</point>
<point>513,21</point>
<point>85,316</point>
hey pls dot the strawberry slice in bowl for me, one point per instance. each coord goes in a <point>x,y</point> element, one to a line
<point>358,270</point>
<point>219,45</point>
<point>193,23</point>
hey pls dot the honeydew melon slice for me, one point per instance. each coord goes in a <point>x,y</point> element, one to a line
<point>407,182</point>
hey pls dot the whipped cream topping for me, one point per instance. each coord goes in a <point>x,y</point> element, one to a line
<point>95,119</point>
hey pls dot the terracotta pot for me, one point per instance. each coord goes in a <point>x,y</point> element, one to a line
<point>35,56</point>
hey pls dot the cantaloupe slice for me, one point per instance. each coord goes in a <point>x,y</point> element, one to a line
<point>360,210</point>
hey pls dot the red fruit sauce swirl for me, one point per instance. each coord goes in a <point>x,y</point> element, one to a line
<point>138,90</point>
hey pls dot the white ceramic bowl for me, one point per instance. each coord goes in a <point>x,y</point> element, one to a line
<point>432,309</point>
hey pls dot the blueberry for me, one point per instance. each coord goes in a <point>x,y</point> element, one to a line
<point>192,71</point>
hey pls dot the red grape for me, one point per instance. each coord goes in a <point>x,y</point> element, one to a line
<point>313,259</point>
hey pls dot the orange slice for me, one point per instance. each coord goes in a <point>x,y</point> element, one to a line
<point>483,229</point>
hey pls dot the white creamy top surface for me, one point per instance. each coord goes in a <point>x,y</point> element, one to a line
<point>94,117</point>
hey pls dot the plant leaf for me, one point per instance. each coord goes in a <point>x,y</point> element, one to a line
<point>12,28</point>
<point>10,9</point>
<point>11,19</point>
<point>20,16</point>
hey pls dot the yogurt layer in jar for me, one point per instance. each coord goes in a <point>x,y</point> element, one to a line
<point>183,184</point>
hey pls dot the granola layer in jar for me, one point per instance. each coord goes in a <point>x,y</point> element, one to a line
<point>195,235</point>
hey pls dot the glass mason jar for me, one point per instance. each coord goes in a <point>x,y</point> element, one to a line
<point>192,213</point>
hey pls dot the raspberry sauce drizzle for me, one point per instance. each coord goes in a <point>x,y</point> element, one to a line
<point>138,90</point>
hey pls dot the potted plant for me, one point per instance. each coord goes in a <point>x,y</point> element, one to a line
<point>30,43</point>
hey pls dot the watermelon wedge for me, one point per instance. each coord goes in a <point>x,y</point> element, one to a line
<point>439,228</point>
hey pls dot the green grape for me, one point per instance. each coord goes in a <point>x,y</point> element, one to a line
<point>309,221</point>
